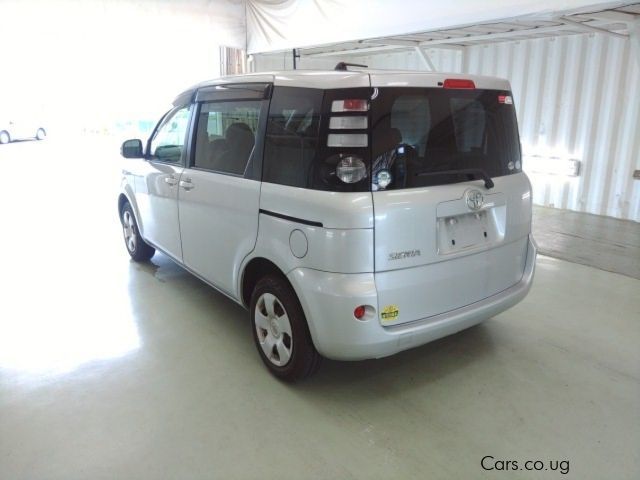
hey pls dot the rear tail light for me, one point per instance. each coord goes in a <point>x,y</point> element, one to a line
<point>350,105</point>
<point>347,123</point>
<point>347,140</point>
<point>459,83</point>
<point>359,312</point>
<point>351,169</point>
<point>505,99</point>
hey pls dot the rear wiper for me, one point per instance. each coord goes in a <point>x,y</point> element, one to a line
<point>479,172</point>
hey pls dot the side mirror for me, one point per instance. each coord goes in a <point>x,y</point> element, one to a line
<point>131,149</point>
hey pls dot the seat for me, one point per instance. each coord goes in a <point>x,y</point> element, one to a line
<point>239,142</point>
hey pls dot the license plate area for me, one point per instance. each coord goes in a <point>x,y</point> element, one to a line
<point>470,230</point>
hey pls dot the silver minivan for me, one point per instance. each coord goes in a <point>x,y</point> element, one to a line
<point>355,214</point>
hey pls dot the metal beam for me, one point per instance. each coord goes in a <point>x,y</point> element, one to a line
<point>355,51</point>
<point>457,42</point>
<point>591,28</point>
<point>459,48</point>
<point>407,43</point>
<point>634,29</point>
<point>425,58</point>
<point>493,36</point>
<point>392,41</point>
<point>613,16</point>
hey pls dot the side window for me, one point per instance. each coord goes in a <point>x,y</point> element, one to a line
<point>291,142</point>
<point>168,142</point>
<point>226,135</point>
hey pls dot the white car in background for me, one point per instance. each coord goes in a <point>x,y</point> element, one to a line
<point>355,214</point>
<point>21,130</point>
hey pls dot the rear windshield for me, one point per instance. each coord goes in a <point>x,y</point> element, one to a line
<point>417,133</point>
<point>362,139</point>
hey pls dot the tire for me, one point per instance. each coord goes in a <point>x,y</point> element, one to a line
<point>139,250</point>
<point>280,330</point>
<point>4,137</point>
<point>41,134</point>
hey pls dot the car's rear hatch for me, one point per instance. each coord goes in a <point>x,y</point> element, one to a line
<point>445,240</point>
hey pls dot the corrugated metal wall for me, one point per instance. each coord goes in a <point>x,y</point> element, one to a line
<point>577,97</point>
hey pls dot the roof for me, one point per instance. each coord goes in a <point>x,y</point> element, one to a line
<point>330,79</point>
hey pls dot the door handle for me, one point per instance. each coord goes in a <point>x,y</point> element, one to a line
<point>171,181</point>
<point>186,184</point>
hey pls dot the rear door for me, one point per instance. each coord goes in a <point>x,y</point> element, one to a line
<point>219,191</point>
<point>445,237</point>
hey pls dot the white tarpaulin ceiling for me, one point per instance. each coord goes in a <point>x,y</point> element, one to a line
<point>274,25</point>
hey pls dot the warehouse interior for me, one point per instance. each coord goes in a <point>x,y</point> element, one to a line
<point>116,369</point>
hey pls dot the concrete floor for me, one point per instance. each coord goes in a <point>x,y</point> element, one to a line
<point>602,242</point>
<point>110,369</point>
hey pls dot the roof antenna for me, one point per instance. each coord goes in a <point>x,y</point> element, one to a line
<point>342,66</point>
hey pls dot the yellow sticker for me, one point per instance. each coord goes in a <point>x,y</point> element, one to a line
<point>389,313</point>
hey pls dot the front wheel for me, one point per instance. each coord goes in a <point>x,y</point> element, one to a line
<point>280,330</point>
<point>4,137</point>
<point>41,134</point>
<point>138,249</point>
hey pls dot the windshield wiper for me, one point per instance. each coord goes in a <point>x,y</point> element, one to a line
<point>479,172</point>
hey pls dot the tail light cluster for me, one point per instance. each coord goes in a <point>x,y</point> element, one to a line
<point>350,168</point>
<point>350,105</point>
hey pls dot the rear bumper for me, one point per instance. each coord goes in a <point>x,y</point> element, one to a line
<point>328,300</point>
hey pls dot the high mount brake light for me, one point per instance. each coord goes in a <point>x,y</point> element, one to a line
<point>459,83</point>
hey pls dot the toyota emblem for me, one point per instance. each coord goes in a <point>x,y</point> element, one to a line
<point>475,199</point>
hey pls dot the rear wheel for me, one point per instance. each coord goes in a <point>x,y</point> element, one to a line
<point>41,134</point>
<point>138,249</point>
<point>4,137</point>
<point>280,330</point>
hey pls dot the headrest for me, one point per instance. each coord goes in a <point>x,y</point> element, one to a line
<point>239,132</point>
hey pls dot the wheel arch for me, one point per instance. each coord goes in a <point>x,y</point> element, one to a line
<point>253,271</point>
<point>126,197</point>
<point>122,199</point>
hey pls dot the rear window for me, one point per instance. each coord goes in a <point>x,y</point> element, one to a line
<point>419,132</point>
<point>305,141</point>
<point>291,141</point>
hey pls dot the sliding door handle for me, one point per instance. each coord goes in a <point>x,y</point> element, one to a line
<point>171,181</point>
<point>186,184</point>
